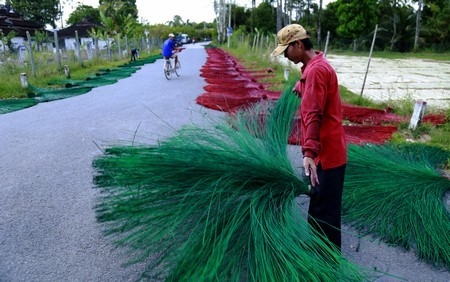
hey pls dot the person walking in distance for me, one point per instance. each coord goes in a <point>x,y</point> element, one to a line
<point>169,50</point>
<point>323,143</point>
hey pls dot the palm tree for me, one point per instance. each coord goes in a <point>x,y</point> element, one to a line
<point>176,21</point>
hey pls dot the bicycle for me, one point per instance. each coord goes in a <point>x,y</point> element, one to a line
<point>169,68</point>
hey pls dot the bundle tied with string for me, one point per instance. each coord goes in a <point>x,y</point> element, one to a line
<point>217,204</point>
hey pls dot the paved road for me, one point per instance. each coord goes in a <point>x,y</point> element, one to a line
<point>48,230</point>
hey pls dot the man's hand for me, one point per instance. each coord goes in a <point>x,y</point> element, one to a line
<point>311,170</point>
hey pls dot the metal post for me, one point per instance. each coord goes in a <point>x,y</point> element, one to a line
<point>370,56</point>
<point>326,44</point>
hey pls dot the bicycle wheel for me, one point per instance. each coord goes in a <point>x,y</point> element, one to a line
<point>178,69</point>
<point>167,70</point>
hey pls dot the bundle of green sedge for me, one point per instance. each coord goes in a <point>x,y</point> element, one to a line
<point>397,192</point>
<point>217,204</point>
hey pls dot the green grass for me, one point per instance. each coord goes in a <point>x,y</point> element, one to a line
<point>11,87</point>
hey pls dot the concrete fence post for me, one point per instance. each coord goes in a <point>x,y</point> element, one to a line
<point>24,80</point>
<point>286,73</point>
<point>416,118</point>
<point>67,71</point>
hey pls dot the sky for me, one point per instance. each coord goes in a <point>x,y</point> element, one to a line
<point>151,12</point>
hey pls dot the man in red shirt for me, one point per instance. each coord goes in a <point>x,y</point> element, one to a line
<point>323,141</point>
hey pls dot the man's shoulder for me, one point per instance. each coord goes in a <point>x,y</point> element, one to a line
<point>320,62</point>
<point>319,68</point>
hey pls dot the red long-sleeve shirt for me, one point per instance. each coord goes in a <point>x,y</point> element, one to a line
<point>322,132</point>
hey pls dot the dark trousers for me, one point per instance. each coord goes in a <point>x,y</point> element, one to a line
<point>324,213</point>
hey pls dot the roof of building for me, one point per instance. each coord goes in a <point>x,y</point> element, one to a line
<point>12,21</point>
<point>83,28</point>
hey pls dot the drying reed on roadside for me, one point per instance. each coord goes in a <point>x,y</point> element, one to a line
<point>217,204</point>
<point>396,192</point>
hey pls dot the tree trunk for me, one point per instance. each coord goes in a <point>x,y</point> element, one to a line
<point>279,14</point>
<point>319,26</point>
<point>394,30</point>
<point>416,37</point>
<point>290,11</point>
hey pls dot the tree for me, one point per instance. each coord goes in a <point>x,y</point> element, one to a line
<point>397,21</point>
<point>42,11</point>
<point>129,26</point>
<point>95,34</point>
<point>176,21</point>
<point>319,26</point>
<point>84,12</point>
<point>357,18</point>
<point>115,22</point>
<point>265,18</point>
<point>221,12</point>
<point>7,40</point>
<point>41,37</point>
<point>402,30</point>
<point>108,26</point>
<point>240,17</point>
<point>436,22</point>
<point>330,21</point>
<point>279,14</point>
<point>120,8</point>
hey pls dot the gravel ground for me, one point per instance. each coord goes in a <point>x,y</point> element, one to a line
<point>48,230</point>
<point>393,79</point>
<point>396,79</point>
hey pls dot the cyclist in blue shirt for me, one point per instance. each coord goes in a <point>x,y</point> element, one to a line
<point>169,50</point>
